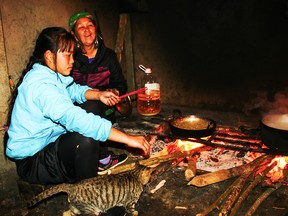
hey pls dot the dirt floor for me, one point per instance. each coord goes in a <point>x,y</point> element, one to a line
<point>174,198</point>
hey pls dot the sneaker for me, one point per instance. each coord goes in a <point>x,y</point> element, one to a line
<point>114,161</point>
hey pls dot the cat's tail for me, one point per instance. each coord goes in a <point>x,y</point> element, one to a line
<point>48,193</point>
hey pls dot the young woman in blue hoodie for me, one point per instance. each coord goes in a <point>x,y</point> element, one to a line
<point>51,139</point>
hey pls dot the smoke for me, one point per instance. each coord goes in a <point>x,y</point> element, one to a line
<point>280,103</point>
<point>262,103</point>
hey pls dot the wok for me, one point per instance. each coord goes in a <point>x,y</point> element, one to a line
<point>274,131</point>
<point>193,126</point>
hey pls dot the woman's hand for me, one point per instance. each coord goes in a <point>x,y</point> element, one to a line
<point>114,90</point>
<point>109,98</point>
<point>133,141</point>
<point>139,142</point>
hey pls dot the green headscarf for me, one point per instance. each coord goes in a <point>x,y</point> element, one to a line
<point>73,19</point>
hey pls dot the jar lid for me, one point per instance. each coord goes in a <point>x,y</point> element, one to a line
<point>148,70</point>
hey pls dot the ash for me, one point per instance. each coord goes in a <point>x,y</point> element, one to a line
<point>219,159</point>
<point>158,146</point>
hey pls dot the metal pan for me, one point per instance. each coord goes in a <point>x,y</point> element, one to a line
<point>191,126</point>
<point>274,131</point>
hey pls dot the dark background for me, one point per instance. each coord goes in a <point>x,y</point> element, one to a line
<point>225,55</point>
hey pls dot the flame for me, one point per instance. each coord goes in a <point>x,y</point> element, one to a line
<point>187,145</point>
<point>276,173</point>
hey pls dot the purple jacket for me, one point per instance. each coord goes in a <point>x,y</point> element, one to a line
<point>103,72</point>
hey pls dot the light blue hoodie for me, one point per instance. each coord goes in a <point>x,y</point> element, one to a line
<point>44,110</point>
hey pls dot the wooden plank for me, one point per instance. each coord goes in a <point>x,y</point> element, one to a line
<point>121,36</point>
<point>129,56</point>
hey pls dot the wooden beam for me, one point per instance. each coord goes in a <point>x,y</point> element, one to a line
<point>121,36</point>
<point>129,56</point>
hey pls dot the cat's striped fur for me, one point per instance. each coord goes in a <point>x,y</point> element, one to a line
<point>96,195</point>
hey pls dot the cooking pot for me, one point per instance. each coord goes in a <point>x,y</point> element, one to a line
<point>124,107</point>
<point>274,131</point>
<point>191,125</point>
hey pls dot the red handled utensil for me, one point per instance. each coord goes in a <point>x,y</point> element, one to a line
<point>133,92</point>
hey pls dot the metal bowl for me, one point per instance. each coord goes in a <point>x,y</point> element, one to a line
<point>124,107</point>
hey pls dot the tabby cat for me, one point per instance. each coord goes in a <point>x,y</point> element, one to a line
<point>97,195</point>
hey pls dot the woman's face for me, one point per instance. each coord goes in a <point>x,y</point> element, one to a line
<point>85,31</point>
<point>64,62</point>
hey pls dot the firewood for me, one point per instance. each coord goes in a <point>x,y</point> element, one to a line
<point>261,198</point>
<point>216,204</point>
<point>228,191</point>
<point>237,187</point>
<point>190,172</point>
<point>154,161</point>
<point>221,175</point>
<point>246,192</point>
<point>266,193</point>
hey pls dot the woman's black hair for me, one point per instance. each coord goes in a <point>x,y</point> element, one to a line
<point>51,38</point>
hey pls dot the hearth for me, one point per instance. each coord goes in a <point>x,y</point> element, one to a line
<point>231,152</point>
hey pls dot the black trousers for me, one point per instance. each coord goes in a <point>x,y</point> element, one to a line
<point>72,157</point>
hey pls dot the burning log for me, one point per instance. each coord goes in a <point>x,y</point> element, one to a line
<point>155,161</point>
<point>190,172</point>
<point>221,175</point>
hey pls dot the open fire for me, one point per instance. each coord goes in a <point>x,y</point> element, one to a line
<point>276,174</point>
<point>229,148</point>
<point>229,153</point>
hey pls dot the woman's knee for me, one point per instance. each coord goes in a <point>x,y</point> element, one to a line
<point>71,144</point>
<point>88,145</point>
<point>94,106</point>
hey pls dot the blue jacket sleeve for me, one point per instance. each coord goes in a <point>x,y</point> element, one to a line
<point>57,104</point>
<point>77,92</point>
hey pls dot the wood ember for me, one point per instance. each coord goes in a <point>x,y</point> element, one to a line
<point>219,159</point>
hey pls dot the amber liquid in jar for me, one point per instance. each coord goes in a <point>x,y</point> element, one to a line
<point>148,103</point>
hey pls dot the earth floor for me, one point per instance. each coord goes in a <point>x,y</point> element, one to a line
<point>174,198</point>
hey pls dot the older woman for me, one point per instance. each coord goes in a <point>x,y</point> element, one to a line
<point>95,64</point>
